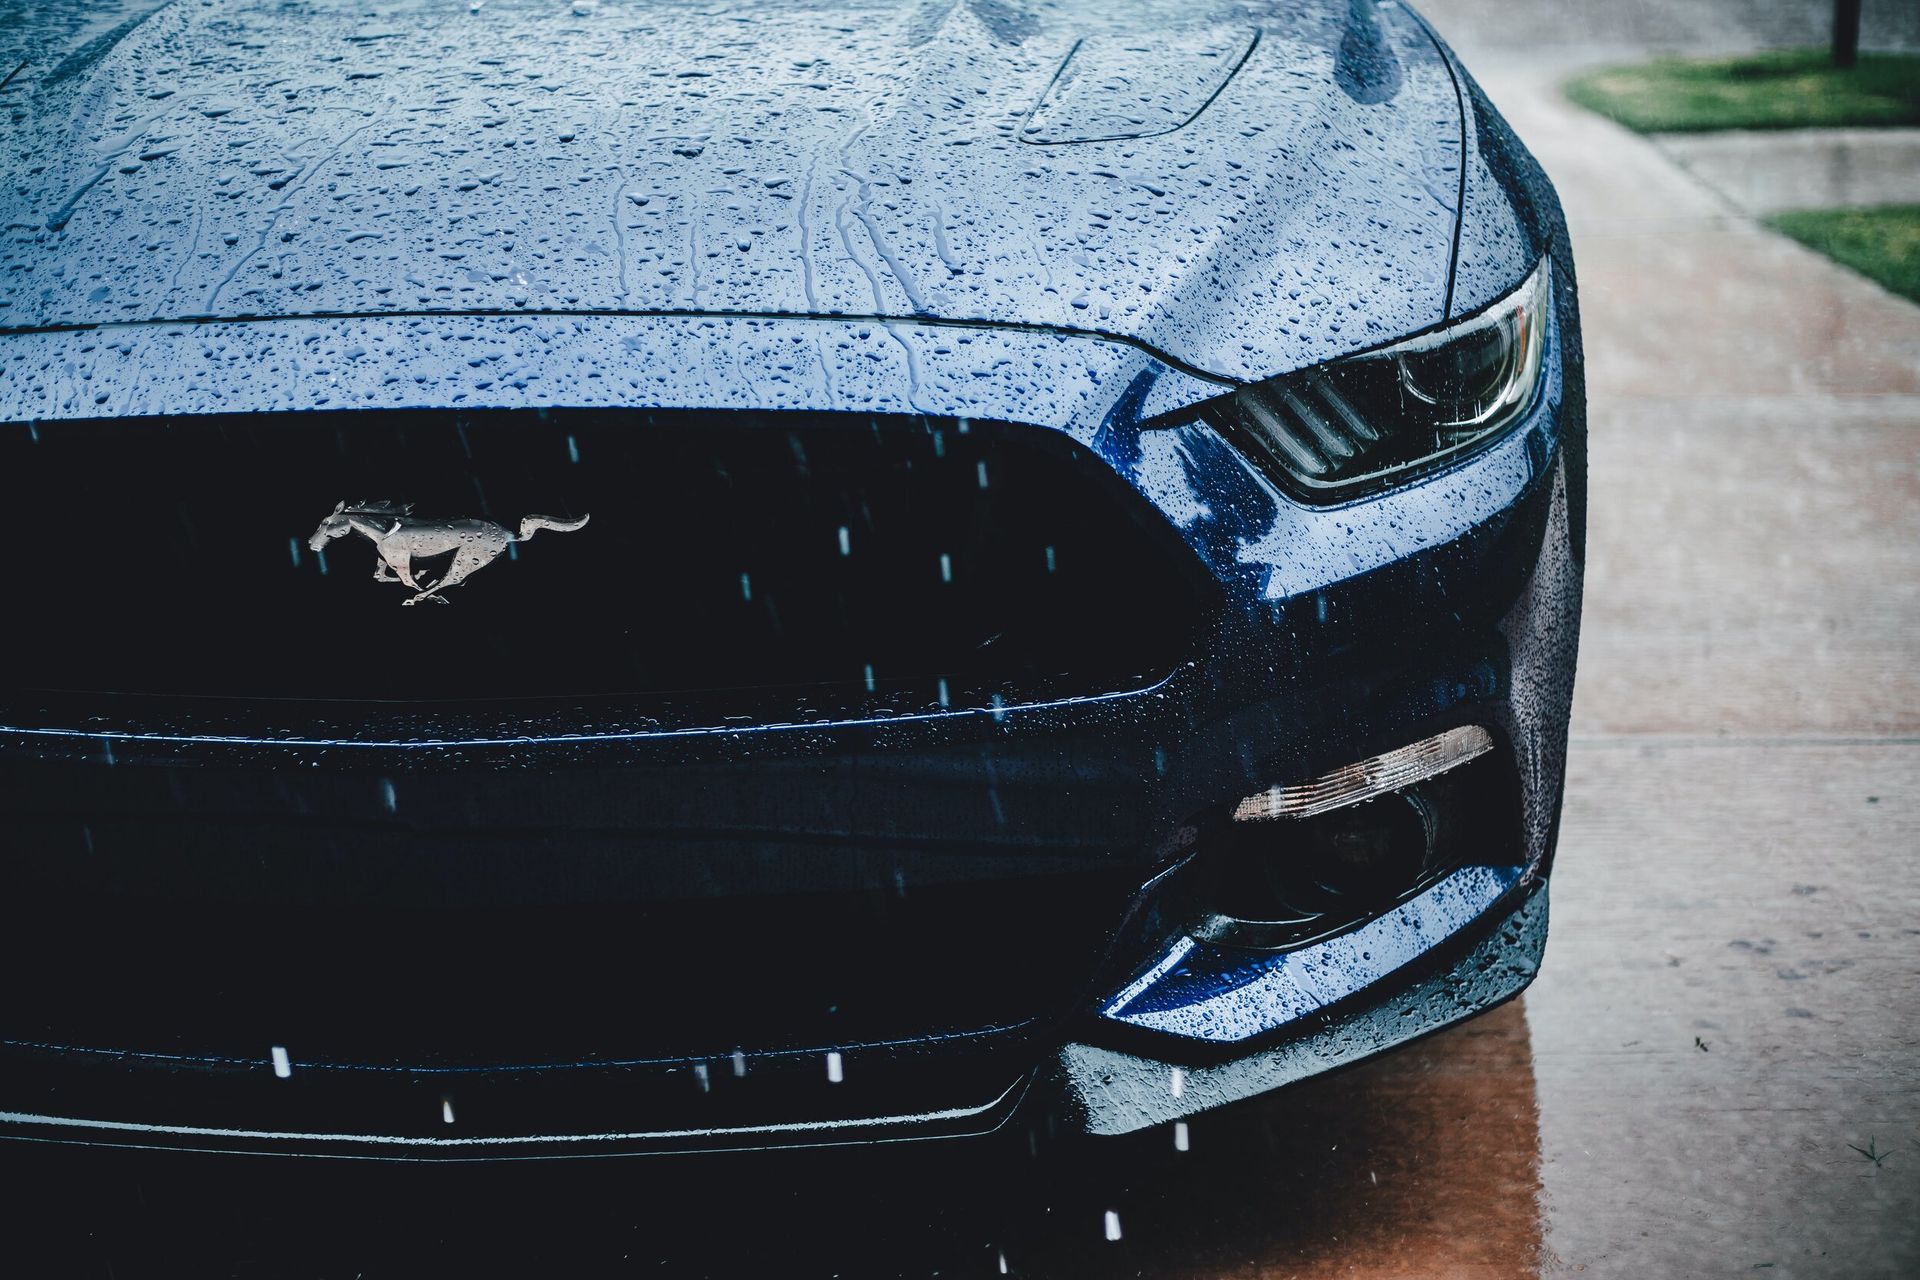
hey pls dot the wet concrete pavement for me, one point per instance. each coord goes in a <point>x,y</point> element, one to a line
<point>1490,31</point>
<point>1736,862</point>
<point>1767,171</point>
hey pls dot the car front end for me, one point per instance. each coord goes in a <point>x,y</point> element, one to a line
<point>920,717</point>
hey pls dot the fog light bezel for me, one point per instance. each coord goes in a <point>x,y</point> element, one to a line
<point>1462,799</point>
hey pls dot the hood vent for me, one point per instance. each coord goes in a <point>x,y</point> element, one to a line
<point>1112,88</point>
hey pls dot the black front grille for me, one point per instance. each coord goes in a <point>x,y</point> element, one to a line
<point>747,562</point>
<point>389,985</point>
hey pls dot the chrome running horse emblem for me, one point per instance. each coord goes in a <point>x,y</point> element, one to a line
<point>399,538</point>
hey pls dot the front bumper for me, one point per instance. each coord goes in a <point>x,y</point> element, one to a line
<point>1085,1088</point>
<point>1481,962</point>
<point>1339,634</point>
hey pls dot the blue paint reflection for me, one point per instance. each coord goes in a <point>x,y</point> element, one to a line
<point>1223,994</point>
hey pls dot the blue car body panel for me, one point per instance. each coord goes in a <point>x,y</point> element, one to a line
<point>410,158</point>
<point>963,215</point>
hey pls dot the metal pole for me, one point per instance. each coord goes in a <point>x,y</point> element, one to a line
<point>1846,33</point>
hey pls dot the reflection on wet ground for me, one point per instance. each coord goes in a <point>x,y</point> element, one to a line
<point>1420,1163</point>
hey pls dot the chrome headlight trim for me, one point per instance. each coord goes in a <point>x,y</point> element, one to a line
<point>1384,416</point>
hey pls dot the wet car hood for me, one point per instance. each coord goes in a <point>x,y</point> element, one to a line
<point>1246,189</point>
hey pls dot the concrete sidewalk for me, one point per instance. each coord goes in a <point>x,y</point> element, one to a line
<point>1762,171</point>
<point>1728,997</point>
<point>1564,31</point>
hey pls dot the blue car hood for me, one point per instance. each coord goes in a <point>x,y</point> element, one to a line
<point>1243,188</point>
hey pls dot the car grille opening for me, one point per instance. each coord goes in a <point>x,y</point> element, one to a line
<point>734,564</point>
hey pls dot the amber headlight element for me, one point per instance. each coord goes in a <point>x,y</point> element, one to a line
<point>1368,778</point>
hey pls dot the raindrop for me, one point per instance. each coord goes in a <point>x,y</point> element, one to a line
<point>869,672</point>
<point>746,587</point>
<point>946,567</point>
<point>980,470</point>
<point>700,1076</point>
<point>739,1064</point>
<point>446,1110</point>
<point>846,541</point>
<point>1180,1139</point>
<point>834,1072</point>
<point>282,1065</point>
<point>943,691</point>
<point>1003,1263</point>
<point>573,449</point>
<point>293,549</point>
<point>1113,1225</point>
<point>1050,562</point>
<point>1177,1085</point>
<point>387,796</point>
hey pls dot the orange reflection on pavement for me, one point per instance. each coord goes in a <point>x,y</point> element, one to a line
<point>1422,1163</point>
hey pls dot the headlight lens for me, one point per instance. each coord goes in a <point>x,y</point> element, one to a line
<point>1371,418</point>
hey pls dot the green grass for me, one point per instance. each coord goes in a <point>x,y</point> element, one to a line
<point>1882,244</point>
<point>1789,89</point>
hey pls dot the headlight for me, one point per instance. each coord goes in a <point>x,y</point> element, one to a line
<point>1364,420</point>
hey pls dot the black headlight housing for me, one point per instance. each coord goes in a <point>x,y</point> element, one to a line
<point>1367,421</point>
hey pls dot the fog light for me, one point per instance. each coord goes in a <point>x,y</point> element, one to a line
<point>1369,778</point>
<point>1313,872</point>
<point>1369,853</point>
<point>1301,861</point>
